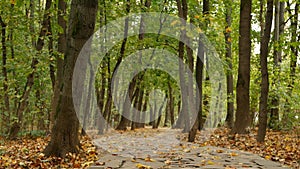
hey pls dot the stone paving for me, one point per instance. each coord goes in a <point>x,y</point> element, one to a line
<point>165,150</point>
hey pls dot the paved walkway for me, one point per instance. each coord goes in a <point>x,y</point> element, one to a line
<point>163,149</point>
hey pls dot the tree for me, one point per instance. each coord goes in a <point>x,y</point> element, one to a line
<point>278,30</point>
<point>65,134</point>
<point>4,71</point>
<point>228,55</point>
<point>242,119</point>
<point>61,47</point>
<point>126,107</point>
<point>182,13</point>
<point>264,91</point>
<point>199,76</point>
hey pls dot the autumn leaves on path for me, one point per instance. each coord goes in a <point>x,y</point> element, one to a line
<point>162,148</point>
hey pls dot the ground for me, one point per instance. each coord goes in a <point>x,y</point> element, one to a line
<point>161,148</point>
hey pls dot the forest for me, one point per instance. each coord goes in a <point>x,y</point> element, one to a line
<point>75,71</point>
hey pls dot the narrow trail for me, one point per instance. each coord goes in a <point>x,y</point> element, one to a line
<point>163,148</point>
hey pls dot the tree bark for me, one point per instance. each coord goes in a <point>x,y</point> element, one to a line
<point>126,107</point>
<point>135,105</point>
<point>199,76</point>
<point>5,116</point>
<point>65,132</point>
<point>182,13</point>
<point>278,30</point>
<point>126,110</point>
<point>242,119</point>
<point>61,47</point>
<point>228,55</point>
<point>264,51</point>
<point>156,124</point>
<point>144,108</point>
<point>167,113</point>
<point>179,123</point>
<point>199,79</point>
<point>139,124</point>
<point>100,122</point>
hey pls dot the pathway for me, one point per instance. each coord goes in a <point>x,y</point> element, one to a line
<point>163,149</point>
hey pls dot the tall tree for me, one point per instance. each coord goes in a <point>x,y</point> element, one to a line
<point>264,91</point>
<point>242,118</point>
<point>278,30</point>
<point>199,75</point>
<point>228,55</point>
<point>126,107</point>
<point>65,135</point>
<point>61,47</point>
<point>138,101</point>
<point>182,13</point>
<point>4,73</point>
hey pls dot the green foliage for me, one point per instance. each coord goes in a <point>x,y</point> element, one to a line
<point>33,133</point>
<point>25,32</point>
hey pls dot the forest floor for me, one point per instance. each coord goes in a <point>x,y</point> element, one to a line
<point>160,148</point>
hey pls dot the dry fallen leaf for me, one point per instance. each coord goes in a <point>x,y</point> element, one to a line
<point>148,159</point>
<point>141,166</point>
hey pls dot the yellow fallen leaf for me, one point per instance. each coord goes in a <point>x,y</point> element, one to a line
<point>220,151</point>
<point>267,157</point>
<point>141,166</point>
<point>210,162</point>
<point>233,154</point>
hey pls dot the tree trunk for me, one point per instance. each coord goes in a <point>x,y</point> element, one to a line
<point>89,101</point>
<point>171,104</point>
<point>5,117</point>
<point>144,109</point>
<point>167,113</point>
<point>134,109</point>
<point>160,113</point>
<point>50,49</point>
<point>264,51</point>
<point>179,123</point>
<point>126,107</point>
<point>108,105</point>
<point>242,119</point>
<point>140,104</point>
<point>278,30</point>
<point>100,122</point>
<point>65,132</point>
<point>182,13</point>
<point>228,55</point>
<point>199,77</point>
<point>61,47</point>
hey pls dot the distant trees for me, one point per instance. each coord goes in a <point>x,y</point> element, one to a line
<point>38,53</point>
